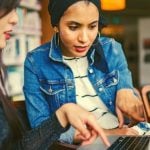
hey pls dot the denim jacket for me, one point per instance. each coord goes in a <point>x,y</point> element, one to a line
<point>49,82</point>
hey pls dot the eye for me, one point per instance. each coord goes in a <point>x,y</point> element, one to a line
<point>73,27</point>
<point>93,26</point>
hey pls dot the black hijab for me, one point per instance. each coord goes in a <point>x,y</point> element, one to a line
<point>57,8</point>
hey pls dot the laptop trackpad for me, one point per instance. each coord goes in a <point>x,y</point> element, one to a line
<point>98,144</point>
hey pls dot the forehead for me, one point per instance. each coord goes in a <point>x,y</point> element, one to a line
<point>81,10</point>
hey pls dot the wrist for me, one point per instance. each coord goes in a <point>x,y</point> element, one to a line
<point>61,116</point>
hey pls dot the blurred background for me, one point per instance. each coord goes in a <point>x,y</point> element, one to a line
<point>129,24</point>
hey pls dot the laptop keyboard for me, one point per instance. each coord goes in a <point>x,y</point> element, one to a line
<point>130,143</point>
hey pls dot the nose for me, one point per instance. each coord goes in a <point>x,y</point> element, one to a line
<point>83,36</point>
<point>13,18</point>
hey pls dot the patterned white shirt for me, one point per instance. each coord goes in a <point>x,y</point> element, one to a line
<point>86,95</point>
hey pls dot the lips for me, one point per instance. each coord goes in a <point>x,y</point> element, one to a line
<point>7,35</point>
<point>81,49</point>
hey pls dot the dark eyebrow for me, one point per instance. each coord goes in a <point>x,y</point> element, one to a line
<point>73,22</point>
<point>94,22</point>
<point>77,23</point>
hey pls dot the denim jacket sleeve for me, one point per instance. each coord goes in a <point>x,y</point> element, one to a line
<point>119,62</point>
<point>125,77</point>
<point>67,137</point>
<point>37,106</point>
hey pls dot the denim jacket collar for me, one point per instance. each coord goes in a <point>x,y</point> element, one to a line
<point>55,52</point>
<point>95,55</point>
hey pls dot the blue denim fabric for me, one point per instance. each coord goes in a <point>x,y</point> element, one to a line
<point>49,83</point>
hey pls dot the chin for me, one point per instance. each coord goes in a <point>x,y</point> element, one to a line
<point>81,54</point>
<point>2,44</point>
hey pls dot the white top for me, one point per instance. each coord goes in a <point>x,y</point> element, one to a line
<point>86,95</point>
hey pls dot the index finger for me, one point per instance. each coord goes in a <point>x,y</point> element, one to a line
<point>81,127</point>
<point>96,127</point>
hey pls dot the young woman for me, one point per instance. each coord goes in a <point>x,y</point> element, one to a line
<point>79,66</point>
<point>13,135</point>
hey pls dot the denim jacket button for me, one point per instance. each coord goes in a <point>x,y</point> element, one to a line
<point>90,70</point>
<point>110,103</point>
<point>115,80</point>
<point>50,90</point>
<point>100,89</point>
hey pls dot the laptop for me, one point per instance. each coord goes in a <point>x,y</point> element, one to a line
<point>121,143</point>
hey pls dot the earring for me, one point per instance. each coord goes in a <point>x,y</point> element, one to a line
<point>57,35</point>
<point>98,34</point>
<point>57,39</point>
<point>55,29</point>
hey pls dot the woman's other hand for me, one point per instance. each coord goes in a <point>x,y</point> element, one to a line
<point>81,120</point>
<point>127,104</point>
